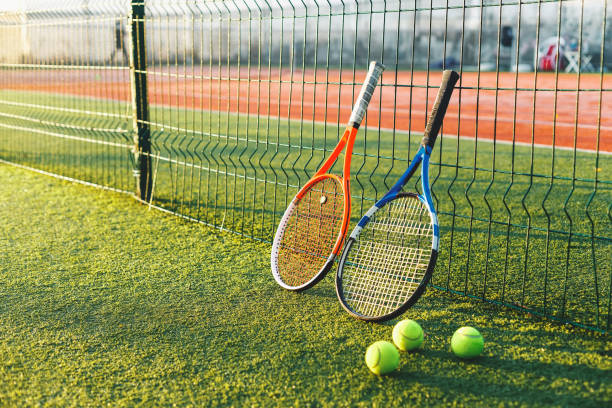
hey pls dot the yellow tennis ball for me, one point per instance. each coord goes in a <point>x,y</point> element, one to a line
<point>382,357</point>
<point>407,335</point>
<point>467,342</point>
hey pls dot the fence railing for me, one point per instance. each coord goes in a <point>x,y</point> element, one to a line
<point>218,111</point>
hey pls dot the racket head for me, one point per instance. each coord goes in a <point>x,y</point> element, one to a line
<point>310,233</point>
<point>389,258</point>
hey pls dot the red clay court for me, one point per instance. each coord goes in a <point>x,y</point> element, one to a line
<point>503,106</point>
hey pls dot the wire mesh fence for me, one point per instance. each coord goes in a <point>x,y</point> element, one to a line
<point>232,105</point>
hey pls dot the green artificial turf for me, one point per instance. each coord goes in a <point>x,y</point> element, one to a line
<point>105,302</point>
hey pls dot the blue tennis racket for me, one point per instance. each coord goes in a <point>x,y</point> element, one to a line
<point>389,257</point>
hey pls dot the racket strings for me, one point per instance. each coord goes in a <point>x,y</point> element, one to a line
<point>311,232</point>
<point>389,260</point>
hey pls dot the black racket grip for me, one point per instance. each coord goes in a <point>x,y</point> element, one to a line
<point>363,100</point>
<point>449,79</point>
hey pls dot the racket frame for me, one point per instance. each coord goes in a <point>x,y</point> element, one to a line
<point>348,141</point>
<point>421,158</point>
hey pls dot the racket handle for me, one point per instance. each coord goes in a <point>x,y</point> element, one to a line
<point>361,106</point>
<point>449,79</point>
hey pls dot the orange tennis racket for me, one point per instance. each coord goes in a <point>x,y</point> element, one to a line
<point>312,230</point>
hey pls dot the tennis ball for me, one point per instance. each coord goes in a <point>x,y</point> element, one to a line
<point>407,335</point>
<point>382,357</point>
<point>467,342</point>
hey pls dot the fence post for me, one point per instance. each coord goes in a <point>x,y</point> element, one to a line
<point>140,102</point>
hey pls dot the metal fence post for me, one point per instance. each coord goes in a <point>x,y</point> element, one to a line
<point>140,102</point>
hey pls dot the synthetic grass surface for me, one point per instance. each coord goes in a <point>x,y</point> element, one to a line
<point>105,302</point>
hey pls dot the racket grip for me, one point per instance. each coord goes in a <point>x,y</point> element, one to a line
<point>361,106</point>
<point>449,79</point>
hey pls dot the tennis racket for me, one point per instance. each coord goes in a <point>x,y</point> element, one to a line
<point>311,232</point>
<point>390,255</point>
